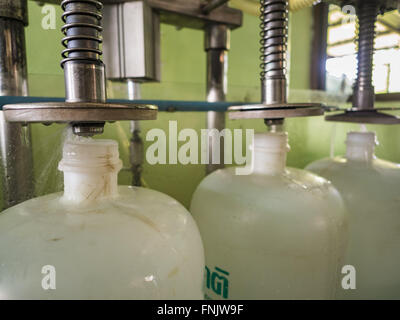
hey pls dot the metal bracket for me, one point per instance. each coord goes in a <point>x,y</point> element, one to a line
<point>127,54</point>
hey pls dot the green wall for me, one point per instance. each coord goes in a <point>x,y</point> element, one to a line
<point>183,78</point>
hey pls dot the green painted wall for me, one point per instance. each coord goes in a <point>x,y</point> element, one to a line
<point>183,77</point>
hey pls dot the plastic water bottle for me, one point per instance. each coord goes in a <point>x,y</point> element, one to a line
<point>278,233</point>
<point>370,189</point>
<point>98,240</point>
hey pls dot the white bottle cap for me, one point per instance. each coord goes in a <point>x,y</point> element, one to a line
<point>86,154</point>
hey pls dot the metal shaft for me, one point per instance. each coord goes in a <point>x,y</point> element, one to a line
<point>274,30</point>
<point>217,46</point>
<point>84,72</point>
<point>15,139</point>
<point>364,93</point>
<point>136,142</point>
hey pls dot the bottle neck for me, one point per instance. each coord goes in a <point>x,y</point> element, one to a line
<point>88,187</point>
<point>90,170</point>
<point>359,154</point>
<point>269,163</point>
<point>270,153</point>
<point>361,146</point>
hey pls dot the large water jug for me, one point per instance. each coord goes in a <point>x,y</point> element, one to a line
<point>278,233</point>
<point>98,240</point>
<point>370,189</point>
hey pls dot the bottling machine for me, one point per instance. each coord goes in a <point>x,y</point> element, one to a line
<point>122,37</point>
<point>134,57</point>
<point>86,107</point>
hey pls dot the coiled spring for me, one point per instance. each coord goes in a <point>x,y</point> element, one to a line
<point>82,30</point>
<point>274,17</point>
<point>367,16</point>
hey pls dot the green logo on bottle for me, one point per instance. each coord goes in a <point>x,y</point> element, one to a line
<point>218,281</point>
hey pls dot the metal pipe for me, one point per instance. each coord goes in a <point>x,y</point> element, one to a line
<point>136,142</point>
<point>15,139</point>
<point>213,4</point>
<point>217,46</point>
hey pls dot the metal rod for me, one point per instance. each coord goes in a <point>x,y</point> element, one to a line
<point>84,71</point>
<point>15,139</point>
<point>274,30</point>
<point>364,92</point>
<point>217,46</point>
<point>213,4</point>
<point>136,142</point>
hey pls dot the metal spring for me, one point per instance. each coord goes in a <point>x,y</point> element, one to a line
<point>367,16</point>
<point>274,17</point>
<point>86,30</point>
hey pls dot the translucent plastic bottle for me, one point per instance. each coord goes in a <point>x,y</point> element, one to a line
<point>279,233</point>
<point>370,189</point>
<point>99,240</point>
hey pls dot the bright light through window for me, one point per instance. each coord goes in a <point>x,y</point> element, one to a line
<point>341,64</point>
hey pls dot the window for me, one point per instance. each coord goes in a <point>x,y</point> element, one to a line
<point>341,62</point>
